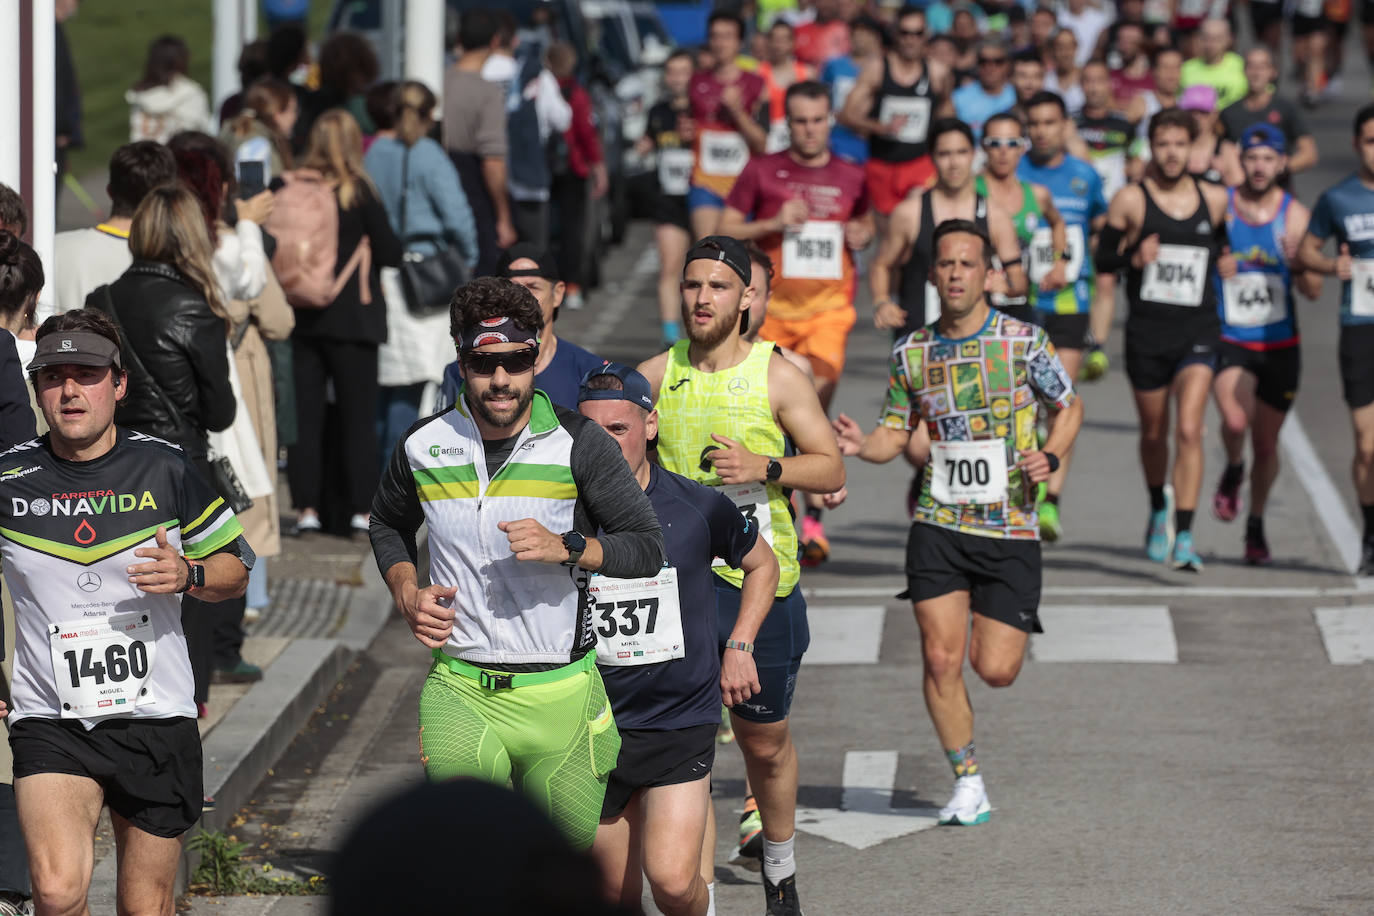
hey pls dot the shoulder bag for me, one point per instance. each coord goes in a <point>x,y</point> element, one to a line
<point>428,281</point>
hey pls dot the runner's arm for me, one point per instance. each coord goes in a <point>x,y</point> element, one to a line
<point>611,501</point>
<point>893,251</point>
<point>1008,248</point>
<point>652,369</point>
<point>1304,155</point>
<point>738,225</point>
<point>854,113</point>
<point>747,122</point>
<point>817,467</point>
<point>1059,230</point>
<point>1227,162</point>
<point>1054,388</point>
<point>1308,282</point>
<point>1116,242</point>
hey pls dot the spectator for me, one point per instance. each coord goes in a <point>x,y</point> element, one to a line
<point>380,100</point>
<point>1218,66</point>
<point>13,217</point>
<point>171,317</point>
<point>166,100</point>
<point>348,65</point>
<point>281,13</point>
<point>991,93</point>
<point>406,163</point>
<point>90,257</point>
<point>475,135</point>
<point>288,59</point>
<point>339,343</point>
<point>579,173</point>
<point>69,128</point>
<point>253,66</point>
<point>262,131</point>
<point>1087,22</point>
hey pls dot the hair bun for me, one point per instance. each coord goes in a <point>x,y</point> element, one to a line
<point>9,246</point>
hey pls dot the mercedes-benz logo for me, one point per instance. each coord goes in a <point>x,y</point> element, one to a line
<point>88,581</point>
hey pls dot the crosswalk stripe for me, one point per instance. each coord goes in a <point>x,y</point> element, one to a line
<point>1105,633</point>
<point>845,634</point>
<point>1347,632</point>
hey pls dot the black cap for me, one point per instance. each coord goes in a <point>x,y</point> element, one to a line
<point>77,348</point>
<point>722,248</point>
<point>634,387</point>
<point>546,266</point>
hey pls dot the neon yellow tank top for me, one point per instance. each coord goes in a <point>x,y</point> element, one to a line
<point>732,403</point>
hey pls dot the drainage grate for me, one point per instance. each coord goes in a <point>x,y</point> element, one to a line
<point>311,608</point>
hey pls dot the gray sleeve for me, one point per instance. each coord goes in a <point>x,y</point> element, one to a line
<point>491,124</point>
<point>612,506</point>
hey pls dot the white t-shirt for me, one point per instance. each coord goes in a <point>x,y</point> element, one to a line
<point>1086,27</point>
<point>84,259</point>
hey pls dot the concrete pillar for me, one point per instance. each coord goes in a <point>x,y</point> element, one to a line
<point>424,44</point>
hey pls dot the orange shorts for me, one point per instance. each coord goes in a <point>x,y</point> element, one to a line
<point>890,182</point>
<point>822,338</point>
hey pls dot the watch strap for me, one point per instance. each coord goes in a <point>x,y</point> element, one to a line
<point>740,644</point>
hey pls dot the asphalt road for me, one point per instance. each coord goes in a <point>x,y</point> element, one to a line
<point>1177,743</point>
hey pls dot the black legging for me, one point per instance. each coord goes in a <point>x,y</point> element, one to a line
<point>352,366</point>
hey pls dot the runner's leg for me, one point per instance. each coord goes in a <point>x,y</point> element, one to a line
<point>996,650</point>
<point>1153,409</point>
<point>1102,312</point>
<point>617,849</point>
<point>672,248</point>
<point>1265,443</point>
<point>58,813</point>
<point>944,624</point>
<point>1192,386</point>
<point>1235,394</point>
<point>674,823</point>
<point>770,758</point>
<point>1362,418</point>
<point>147,870</point>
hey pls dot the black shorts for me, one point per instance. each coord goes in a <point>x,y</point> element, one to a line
<point>1276,370</point>
<point>778,649</point>
<point>1066,332</point>
<point>1357,364</point>
<point>1367,12</point>
<point>1307,25</point>
<point>1154,356</point>
<point>1001,575</point>
<point>1264,15</point>
<point>672,211</point>
<point>654,757</point>
<point>1022,311</point>
<point>149,769</point>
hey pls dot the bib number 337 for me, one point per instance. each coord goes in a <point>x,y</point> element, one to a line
<point>101,667</point>
<point>638,621</point>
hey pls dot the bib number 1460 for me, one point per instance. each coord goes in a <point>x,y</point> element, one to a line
<point>116,665</point>
<point>100,666</point>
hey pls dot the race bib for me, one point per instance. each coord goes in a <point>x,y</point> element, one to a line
<point>1362,287</point>
<point>675,171</point>
<point>968,472</point>
<point>1043,257</point>
<point>779,137</point>
<point>1312,9</point>
<point>723,153</point>
<point>839,93</point>
<point>638,621</point>
<point>932,304</point>
<point>814,251</point>
<point>752,501</point>
<point>1177,277</point>
<point>1254,299</point>
<point>100,667</point>
<point>915,109</point>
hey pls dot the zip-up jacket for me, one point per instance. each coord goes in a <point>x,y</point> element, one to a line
<point>563,471</point>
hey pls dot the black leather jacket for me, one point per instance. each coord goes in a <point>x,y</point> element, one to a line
<point>180,343</point>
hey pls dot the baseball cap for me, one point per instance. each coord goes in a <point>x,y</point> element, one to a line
<point>545,265</point>
<point>1198,98</point>
<point>634,387</point>
<point>78,348</point>
<point>1257,135</point>
<point>723,248</point>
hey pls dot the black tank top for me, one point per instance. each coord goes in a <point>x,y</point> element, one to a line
<point>1178,290</point>
<point>890,149</point>
<point>911,291</point>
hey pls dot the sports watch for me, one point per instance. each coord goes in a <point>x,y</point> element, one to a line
<point>774,470</point>
<point>195,575</point>
<point>575,543</point>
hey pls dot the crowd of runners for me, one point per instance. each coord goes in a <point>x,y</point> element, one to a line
<point>594,600</point>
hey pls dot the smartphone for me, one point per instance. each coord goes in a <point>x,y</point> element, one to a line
<point>252,176</point>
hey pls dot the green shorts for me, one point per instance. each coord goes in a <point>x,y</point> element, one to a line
<point>556,742</point>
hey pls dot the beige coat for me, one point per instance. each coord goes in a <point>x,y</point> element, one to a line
<point>269,317</point>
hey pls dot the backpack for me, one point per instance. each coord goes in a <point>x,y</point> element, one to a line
<point>305,223</point>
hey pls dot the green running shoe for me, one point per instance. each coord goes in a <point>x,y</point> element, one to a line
<point>1095,365</point>
<point>1050,529</point>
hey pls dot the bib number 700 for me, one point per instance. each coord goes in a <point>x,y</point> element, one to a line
<point>966,473</point>
<point>630,616</point>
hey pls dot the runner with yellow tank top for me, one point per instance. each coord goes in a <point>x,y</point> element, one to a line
<point>725,408</point>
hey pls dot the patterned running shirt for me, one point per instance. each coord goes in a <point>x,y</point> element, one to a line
<point>989,386</point>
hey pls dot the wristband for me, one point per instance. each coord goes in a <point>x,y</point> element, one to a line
<point>1053,460</point>
<point>187,587</point>
<point>742,646</point>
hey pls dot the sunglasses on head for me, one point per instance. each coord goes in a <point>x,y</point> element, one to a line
<point>513,361</point>
<point>1003,142</point>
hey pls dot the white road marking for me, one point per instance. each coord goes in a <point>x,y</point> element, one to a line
<point>845,634</point>
<point>866,816</point>
<point>1105,633</point>
<point>1143,592</point>
<point>1321,489</point>
<point>1348,633</point>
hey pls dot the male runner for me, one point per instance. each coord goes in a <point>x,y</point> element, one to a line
<point>893,104</point>
<point>1027,78</point>
<point>727,409</point>
<point>522,499</point>
<point>1065,313</point>
<point>101,531</point>
<point>1258,368</point>
<point>1168,231</point>
<point>1105,133</point>
<point>670,133</point>
<point>976,380</point>
<point>809,211</point>
<point>728,117</point>
<point>991,92</point>
<point>1167,75</point>
<point>841,73</point>
<point>1345,211</point>
<point>1262,105</point>
<point>656,649</point>
<point>780,70</point>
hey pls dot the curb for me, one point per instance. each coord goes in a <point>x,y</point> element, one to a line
<point>253,735</point>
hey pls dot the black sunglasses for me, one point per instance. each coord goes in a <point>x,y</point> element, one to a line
<point>514,362</point>
<point>911,33</point>
<point>992,61</point>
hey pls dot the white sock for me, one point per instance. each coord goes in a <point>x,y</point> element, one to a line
<point>778,862</point>
<point>711,899</point>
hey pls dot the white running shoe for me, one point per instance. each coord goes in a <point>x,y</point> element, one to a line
<point>969,805</point>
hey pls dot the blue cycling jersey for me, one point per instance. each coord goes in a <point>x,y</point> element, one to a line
<point>1346,211</point>
<point>1256,305</point>
<point>1076,190</point>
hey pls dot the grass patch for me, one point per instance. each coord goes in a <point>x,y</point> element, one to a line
<point>223,872</point>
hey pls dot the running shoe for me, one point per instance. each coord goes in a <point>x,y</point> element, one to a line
<point>726,733</point>
<point>969,805</point>
<point>815,545</point>
<point>1095,364</point>
<point>1256,550</point>
<point>1050,529</point>
<point>1366,559</point>
<point>782,897</point>
<point>242,673</point>
<point>1159,537</point>
<point>750,833</point>
<point>12,904</point>
<point>306,524</point>
<point>1185,558</point>
<point>1226,502</point>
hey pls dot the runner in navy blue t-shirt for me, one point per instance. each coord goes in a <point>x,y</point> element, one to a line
<point>657,651</point>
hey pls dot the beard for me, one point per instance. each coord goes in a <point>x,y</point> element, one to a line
<point>712,334</point>
<point>502,418</point>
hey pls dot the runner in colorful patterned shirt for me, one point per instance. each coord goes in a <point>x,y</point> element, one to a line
<point>976,380</point>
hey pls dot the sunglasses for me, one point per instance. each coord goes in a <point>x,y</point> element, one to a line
<point>991,61</point>
<point>514,362</point>
<point>911,33</point>
<point>1003,142</point>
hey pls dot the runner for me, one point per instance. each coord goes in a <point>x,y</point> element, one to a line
<point>1173,230</point>
<point>1262,105</point>
<point>991,92</point>
<point>656,650</point>
<point>1027,78</point>
<point>522,500</point>
<point>974,541</point>
<point>1065,313</point>
<point>726,410</point>
<point>1216,65</point>
<point>1345,212</point>
<point>1065,76</point>
<point>809,211</point>
<point>729,114</point>
<point>101,531</point>
<point>780,70</point>
<point>893,104</point>
<point>671,134</point>
<point>1258,363</point>
<point>841,73</point>
<point>1167,74</point>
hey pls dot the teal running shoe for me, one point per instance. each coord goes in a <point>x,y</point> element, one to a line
<point>1159,537</point>
<point>1185,558</point>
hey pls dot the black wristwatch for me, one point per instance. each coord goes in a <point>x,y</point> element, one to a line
<point>195,576</point>
<point>774,470</point>
<point>1053,460</point>
<point>575,544</point>
<point>1066,255</point>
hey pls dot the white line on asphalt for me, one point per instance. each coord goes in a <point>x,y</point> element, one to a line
<point>1105,633</point>
<point>1321,489</point>
<point>1143,592</point>
<point>867,817</point>
<point>845,634</point>
<point>622,300</point>
<point>1348,633</point>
